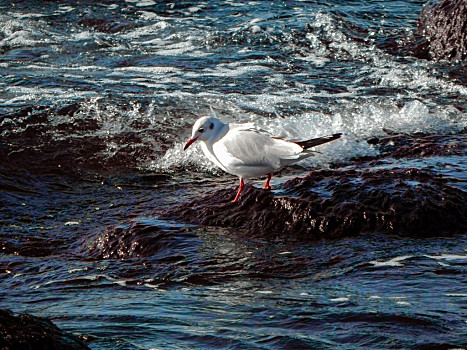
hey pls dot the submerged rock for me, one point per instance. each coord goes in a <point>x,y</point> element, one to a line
<point>137,240</point>
<point>332,204</point>
<point>105,25</point>
<point>30,246</point>
<point>32,332</point>
<point>442,31</point>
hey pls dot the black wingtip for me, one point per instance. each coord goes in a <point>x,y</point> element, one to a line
<point>319,141</point>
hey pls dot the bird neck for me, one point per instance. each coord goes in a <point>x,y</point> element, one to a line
<point>224,128</point>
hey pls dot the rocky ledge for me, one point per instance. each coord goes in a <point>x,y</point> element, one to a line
<point>442,32</point>
<point>32,332</point>
<point>333,204</point>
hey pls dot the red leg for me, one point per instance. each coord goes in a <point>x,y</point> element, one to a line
<point>239,189</point>
<point>267,185</point>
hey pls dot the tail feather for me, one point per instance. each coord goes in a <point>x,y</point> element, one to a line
<point>318,141</point>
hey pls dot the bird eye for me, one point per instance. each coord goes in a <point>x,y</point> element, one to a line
<point>201,129</point>
<point>211,126</point>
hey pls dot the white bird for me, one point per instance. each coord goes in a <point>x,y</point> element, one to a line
<point>245,151</point>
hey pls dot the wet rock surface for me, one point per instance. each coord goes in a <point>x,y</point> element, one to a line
<point>30,246</point>
<point>135,241</point>
<point>419,145</point>
<point>333,204</point>
<point>442,31</point>
<point>31,332</point>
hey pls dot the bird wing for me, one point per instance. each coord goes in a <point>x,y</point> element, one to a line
<point>245,146</point>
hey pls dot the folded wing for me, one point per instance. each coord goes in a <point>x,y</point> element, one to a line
<point>251,148</point>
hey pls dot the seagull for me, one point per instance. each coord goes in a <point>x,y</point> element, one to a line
<point>246,151</point>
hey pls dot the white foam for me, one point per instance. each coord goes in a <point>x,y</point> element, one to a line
<point>143,3</point>
<point>26,94</point>
<point>448,257</point>
<point>265,292</point>
<point>415,79</point>
<point>72,223</point>
<point>394,262</point>
<point>156,70</point>
<point>18,32</point>
<point>146,15</point>
<point>192,159</point>
<point>64,9</point>
<point>176,49</point>
<point>236,70</point>
<point>340,299</point>
<point>151,29</point>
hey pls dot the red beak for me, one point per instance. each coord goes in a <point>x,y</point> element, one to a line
<point>189,142</point>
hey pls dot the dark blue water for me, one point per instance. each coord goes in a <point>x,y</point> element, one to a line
<point>96,101</point>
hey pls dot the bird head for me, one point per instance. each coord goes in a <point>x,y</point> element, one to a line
<point>205,129</point>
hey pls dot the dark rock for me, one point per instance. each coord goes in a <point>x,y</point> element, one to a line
<point>333,204</point>
<point>420,145</point>
<point>32,332</point>
<point>458,72</point>
<point>138,240</point>
<point>68,110</point>
<point>105,25</point>
<point>442,31</point>
<point>30,246</point>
